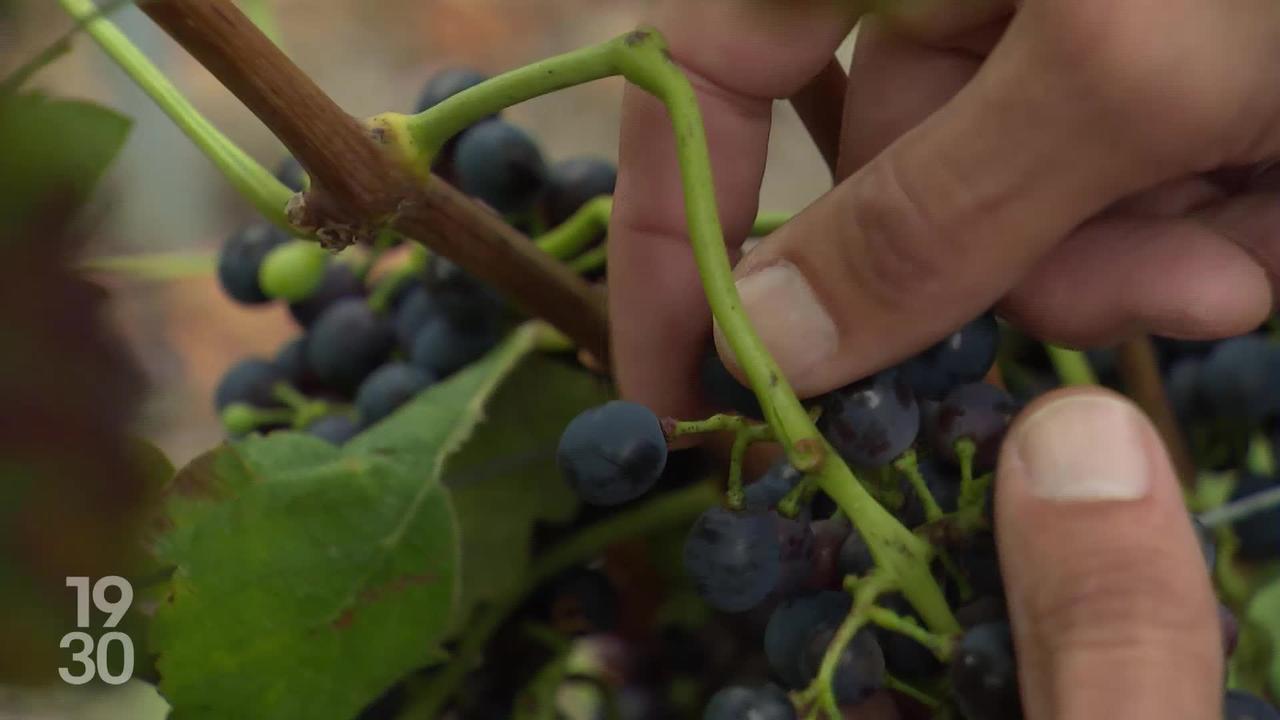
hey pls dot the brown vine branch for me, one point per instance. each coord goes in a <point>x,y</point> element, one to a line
<point>357,189</point>
<point>1140,373</point>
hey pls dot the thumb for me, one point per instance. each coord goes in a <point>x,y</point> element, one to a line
<point>935,229</point>
<point>1111,605</point>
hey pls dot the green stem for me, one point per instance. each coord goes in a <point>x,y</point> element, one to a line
<point>767,222</point>
<point>380,297</point>
<point>864,591</point>
<point>1071,365</point>
<point>578,232</point>
<point>672,509</point>
<point>715,423</point>
<point>1261,458</point>
<point>267,194</point>
<point>907,465</point>
<point>901,686</point>
<point>735,495</point>
<point>940,645</point>
<point>591,260</point>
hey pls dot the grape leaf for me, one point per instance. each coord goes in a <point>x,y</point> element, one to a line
<point>55,151</point>
<point>310,578</point>
<point>306,582</point>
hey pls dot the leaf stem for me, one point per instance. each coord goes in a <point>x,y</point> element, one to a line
<point>672,509</point>
<point>578,232</point>
<point>255,183</point>
<point>1071,365</point>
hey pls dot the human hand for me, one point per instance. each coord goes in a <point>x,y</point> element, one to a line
<point>1052,159</point>
<point>1112,611</point>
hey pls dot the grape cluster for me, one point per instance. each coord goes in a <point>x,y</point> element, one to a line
<point>924,436</point>
<point>378,326</point>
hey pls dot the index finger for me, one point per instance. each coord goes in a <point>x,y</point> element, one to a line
<point>740,55</point>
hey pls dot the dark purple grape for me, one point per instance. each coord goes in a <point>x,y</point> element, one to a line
<point>860,669</point>
<point>795,541</point>
<point>347,343</point>
<point>443,348</point>
<point>461,297</point>
<point>292,361</point>
<point>1235,380</point>
<point>1259,533</point>
<point>904,657</point>
<point>574,182</point>
<point>251,381</point>
<point>414,310</point>
<point>339,283</point>
<point>722,389</point>
<point>980,564</point>
<point>1182,383</point>
<point>979,412</point>
<point>965,356</point>
<point>613,453</point>
<point>828,539</point>
<point>445,84</point>
<point>733,559</point>
<point>855,555</point>
<point>984,674</point>
<point>389,387</point>
<point>792,623</point>
<point>1240,705</point>
<point>744,703</point>
<point>766,492</point>
<point>872,421</point>
<point>291,174</point>
<point>501,165</point>
<point>336,429</point>
<point>241,259</point>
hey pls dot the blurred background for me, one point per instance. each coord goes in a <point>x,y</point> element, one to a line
<point>162,196</point>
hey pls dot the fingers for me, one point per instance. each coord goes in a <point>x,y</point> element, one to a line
<point>741,56</point>
<point>1112,609</point>
<point>1118,276</point>
<point>935,228</point>
<point>894,84</point>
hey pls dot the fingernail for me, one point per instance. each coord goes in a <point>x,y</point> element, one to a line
<point>790,320</point>
<point>1084,448</point>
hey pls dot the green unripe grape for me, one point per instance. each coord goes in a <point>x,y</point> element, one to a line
<point>239,418</point>
<point>293,271</point>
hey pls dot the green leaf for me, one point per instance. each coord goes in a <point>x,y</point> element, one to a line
<point>314,583</point>
<point>54,150</point>
<point>499,465</point>
<point>309,578</point>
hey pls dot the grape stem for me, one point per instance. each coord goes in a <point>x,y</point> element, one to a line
<point>590,261</point>
<point>674,509</point>
<point>941,645</point>
<point>576,234</point>
<point>910,468</point>
<point>267,194</point>
<point>901,686</point>
<point>1072,366</point>
<point>819,695</point>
